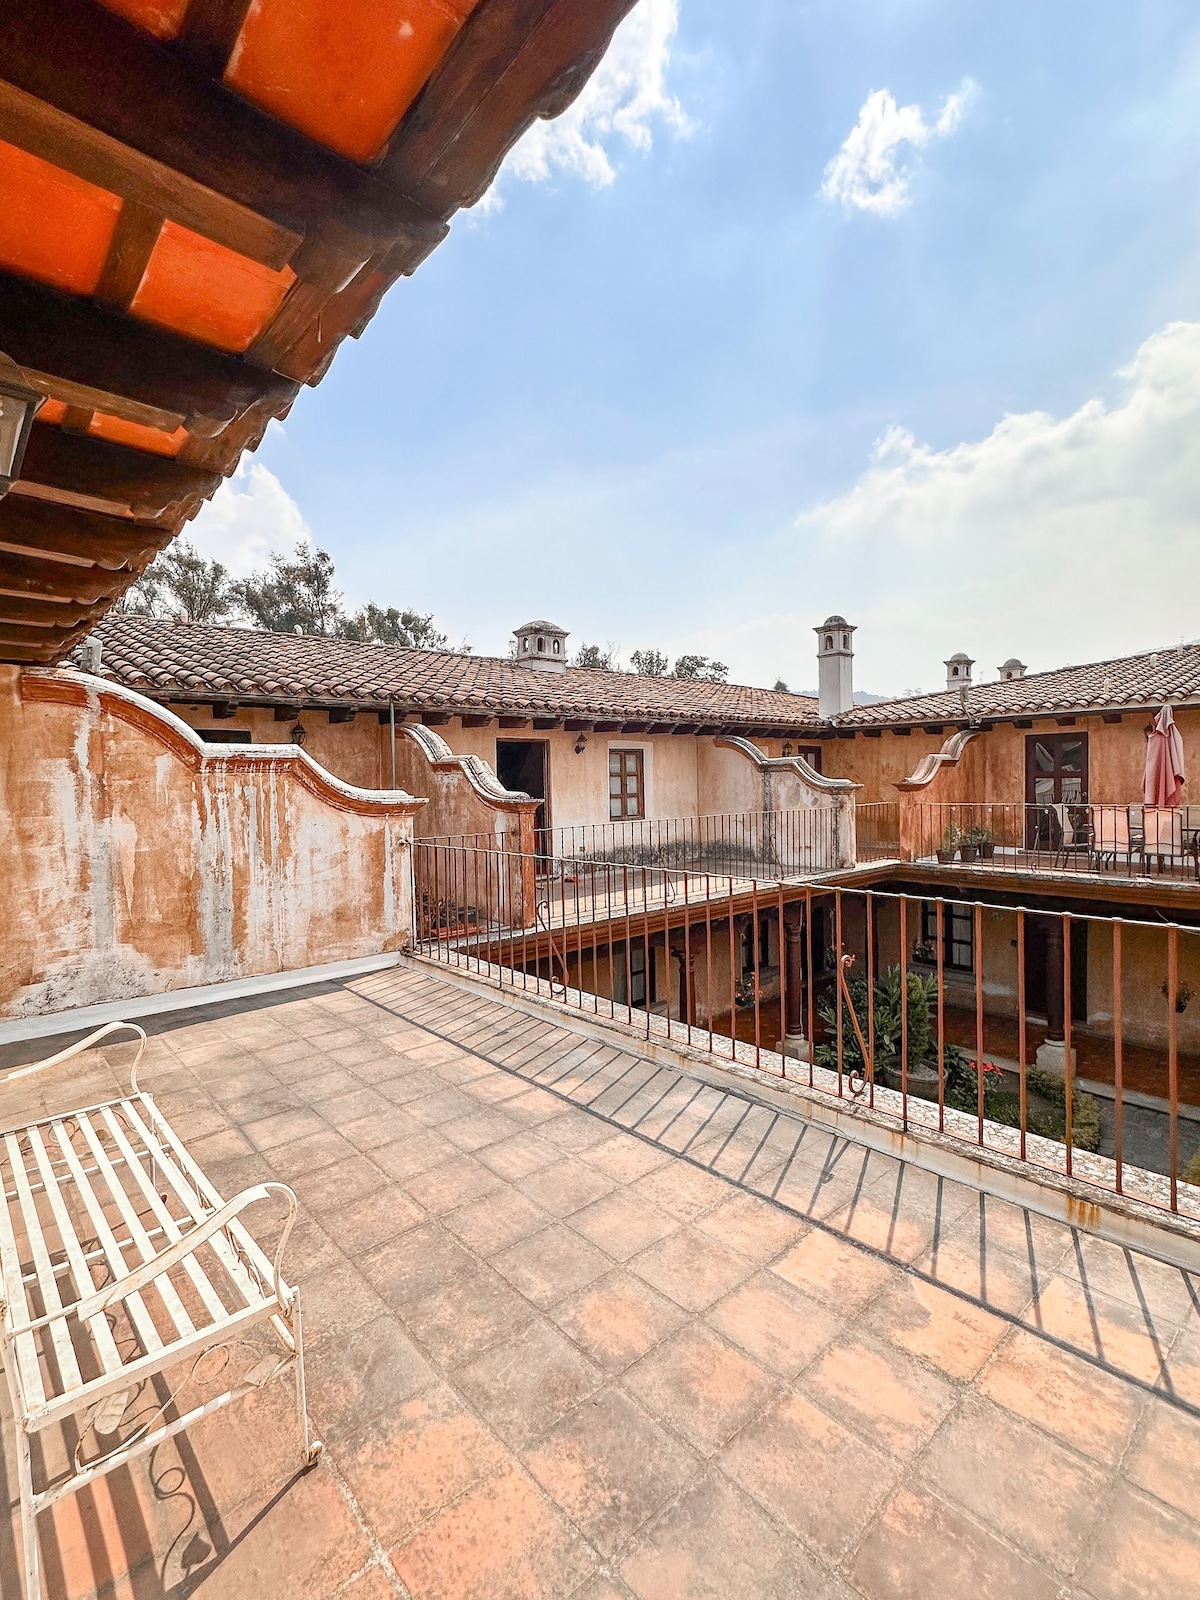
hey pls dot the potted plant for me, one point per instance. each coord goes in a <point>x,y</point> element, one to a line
<point>981,840</point>
<point>968,845</point>
<point>949,844</point>
<point>1182,995</point>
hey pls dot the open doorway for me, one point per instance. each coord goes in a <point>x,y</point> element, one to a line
<point>524,764</point>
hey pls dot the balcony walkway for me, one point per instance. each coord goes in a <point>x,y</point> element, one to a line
<point>586,1327</point>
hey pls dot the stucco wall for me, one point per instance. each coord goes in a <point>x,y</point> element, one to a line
<point>136,860</point>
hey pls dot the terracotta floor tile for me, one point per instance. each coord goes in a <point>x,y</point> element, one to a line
<point>332,1189</point>
<point>610,1468</point>
<point>754,1228</point>
<point>691,1268</point>
<point>501,1541</point>
<point>1031,1490</point>
<point>565,1187</point>
<point>548,1266</point>
<point>573,1131</point>
<point>716,1544</point>
<point>683,1191</point>
<point>336,1299</point>
<point>219,1146</point>
<point>284,1126</point>
<point>922,1549</point>
<point>348,1109</point>
<point>875,1222</point>
<point>625,1158</point>
<point>373,1132</point>
<point>940,1327</point>
<point>603,1588</point>
<point>374,1584</point>
<point>618,1320</point>
<point>415,1460</point>
<point>520,1155</point>
<point>493,1223</point>
<point>452,1184</point>
<point>536,1109</point>
<point>1023,1233</point>
<point>494,1087</point>
<point>525,1384</point>
<point>408,1085</point>
<point>415,1263</point>
<point>1109,1330</point>
<point>811,1502</point>
<point>315,1150</point>
<point>622,1223</point>
<point>482,1126</point>
<point>1168,1294</point>
<point>996,1278</point>
<point>775,1323</point>
<point>1142,1549</point>
<point>1164,1458</point>
<point>883,1393</point>
<point>702,1387</point>
<point>362,1375</point>
<point>835,1271</point>
<point>371,1221</point>
<point>459,1319</point>
<point>418,1152</point>
<point>444,1105</point>
<point>1069,1397</point>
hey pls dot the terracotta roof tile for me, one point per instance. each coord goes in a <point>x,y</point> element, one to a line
<point>173,660</point>
<point>1122,683</point>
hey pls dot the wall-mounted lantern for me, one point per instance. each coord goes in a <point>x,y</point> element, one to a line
<point>18,402</point>
<point>581,744</point>
<point>787,747</point>
<point>299,734</point>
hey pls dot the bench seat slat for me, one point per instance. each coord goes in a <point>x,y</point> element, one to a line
<point>98,1326</point>
<point>60,1334</point>
<point>139,1316</point>
<point>181,1322</point>
<point>18,1310</point>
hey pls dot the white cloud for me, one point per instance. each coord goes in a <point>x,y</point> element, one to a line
<point>623,100</point>
<point>1057,539</point>
<point>868,173</point>
<point>250,516</point>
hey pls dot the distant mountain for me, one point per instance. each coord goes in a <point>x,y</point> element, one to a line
<point>861,697</point>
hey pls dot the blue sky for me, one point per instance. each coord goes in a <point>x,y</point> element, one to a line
<point>683,383</point>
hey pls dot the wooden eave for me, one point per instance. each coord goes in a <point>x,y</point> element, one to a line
<point>152,125</point>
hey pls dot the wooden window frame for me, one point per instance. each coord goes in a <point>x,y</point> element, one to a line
<point>625,763</point>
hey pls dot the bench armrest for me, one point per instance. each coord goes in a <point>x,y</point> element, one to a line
<point>146,1271</point>
<point>81,1045</point>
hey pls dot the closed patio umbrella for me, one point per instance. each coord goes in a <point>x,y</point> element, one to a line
<point>1164,777</point>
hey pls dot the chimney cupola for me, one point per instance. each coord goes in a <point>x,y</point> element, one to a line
<point>958,670</point>
<point>542,645</point>
<point>835,666</point>
<point>1011,670</point>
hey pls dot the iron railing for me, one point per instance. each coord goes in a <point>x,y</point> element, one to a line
<point>877,830</point>
<point>806,980</point>
<point>1083,837</point>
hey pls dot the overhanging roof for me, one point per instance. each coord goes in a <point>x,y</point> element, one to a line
<point>199,199</point>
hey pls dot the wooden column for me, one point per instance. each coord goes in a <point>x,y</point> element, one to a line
<point>794,1042</point>
<point>1055,1019</point>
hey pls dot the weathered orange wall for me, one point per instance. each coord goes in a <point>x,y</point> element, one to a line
<point>134,860</point>
<point>354,751</point>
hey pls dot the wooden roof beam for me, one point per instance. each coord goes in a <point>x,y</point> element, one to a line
<point>109,355</point>
<point>45,532</point>
<point>152,488</point>
<point>43,130</point>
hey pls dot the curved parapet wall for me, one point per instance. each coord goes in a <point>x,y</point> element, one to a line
<point>936,763</point>
<point>139,859</point>
<point>465,795</point>
<point>758,782</point>
<point>941,778</point>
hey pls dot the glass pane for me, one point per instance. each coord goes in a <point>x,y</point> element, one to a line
<point>1043,757</point>
<point>1073,752</point>
<point>614,785</point>
<point>631,784</point>
<point>614,762</point>
<point>1043,791</point>
<point>614,810</point>
<point>1072,791</point>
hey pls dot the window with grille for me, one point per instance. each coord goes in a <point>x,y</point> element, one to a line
<point>958,934</point>
<point>626,784</point>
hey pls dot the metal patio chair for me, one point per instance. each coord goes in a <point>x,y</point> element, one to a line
<point>122,1265</point>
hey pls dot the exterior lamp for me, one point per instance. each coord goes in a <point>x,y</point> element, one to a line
<point>18,402</point>
<point>787,747</point>
<point>581,744</point>
<point>299,734</point>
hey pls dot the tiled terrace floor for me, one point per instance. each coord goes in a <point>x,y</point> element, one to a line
<point>552,1358</point>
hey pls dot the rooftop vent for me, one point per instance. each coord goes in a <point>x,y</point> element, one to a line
<point>542,645</point>
<point>1011,670</point>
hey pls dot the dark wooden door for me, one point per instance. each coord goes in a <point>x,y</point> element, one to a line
<point>1035,968</point>
<point>1056,774</point>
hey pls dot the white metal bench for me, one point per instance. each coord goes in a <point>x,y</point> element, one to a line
<point>121,1263</point>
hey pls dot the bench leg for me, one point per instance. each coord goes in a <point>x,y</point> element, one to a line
<point>312,1448</point>
<point>29,1537</point>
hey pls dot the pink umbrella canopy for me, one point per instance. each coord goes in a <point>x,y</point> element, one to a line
<point>1164,778</point>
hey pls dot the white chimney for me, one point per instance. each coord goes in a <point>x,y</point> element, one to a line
<point>542,645</point>
<point>958,670</point>
<point>1011,669</point>
<point>835,666</point>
